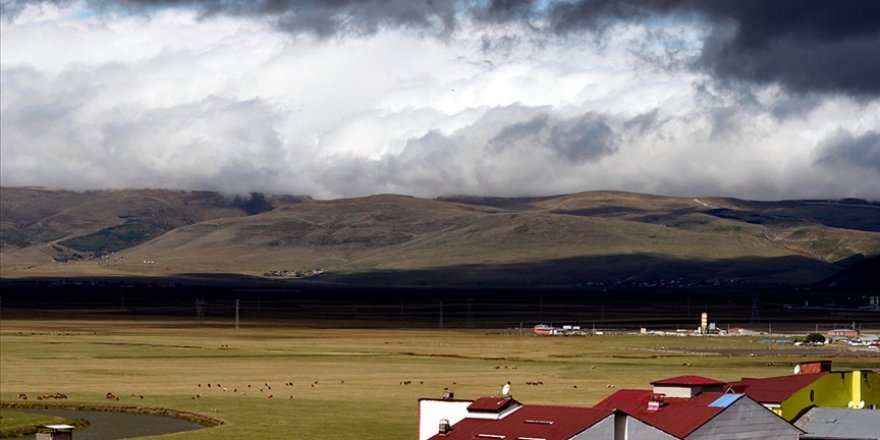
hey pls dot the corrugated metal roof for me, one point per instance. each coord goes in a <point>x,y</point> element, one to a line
<point>774,389</point>
<point>528,422</point>
<point>679,417</point>
<point>835,423</point>
<point>491,404</point>
<point>687,380</point>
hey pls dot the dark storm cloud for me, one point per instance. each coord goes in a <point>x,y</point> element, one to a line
<point>802,45</point>
<point>579,139</point>
<point>844,149</point>
<point>321,18</point>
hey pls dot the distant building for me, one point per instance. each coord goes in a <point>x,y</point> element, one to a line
<point>545,330</point>
<point>842,333</point>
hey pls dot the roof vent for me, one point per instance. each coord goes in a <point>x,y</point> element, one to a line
<point>657,401</point>
<point>448,395</point>
<point>444,427</point>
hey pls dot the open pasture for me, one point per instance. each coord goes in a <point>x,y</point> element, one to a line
<point>348,383</point>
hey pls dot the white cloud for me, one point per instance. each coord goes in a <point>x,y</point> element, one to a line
<point>175,100</point>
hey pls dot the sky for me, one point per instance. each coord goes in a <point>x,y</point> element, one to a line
<point>753,99</point>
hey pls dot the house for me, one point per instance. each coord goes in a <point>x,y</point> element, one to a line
<point>814,385</point>
<point>681,407</point>
<point>55,432</point>
<point>501,418</point>
<point>689,412</point>
<point>695,408</point>
<point>686,386</point>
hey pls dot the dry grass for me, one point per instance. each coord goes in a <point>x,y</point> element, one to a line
<point>347,383</point>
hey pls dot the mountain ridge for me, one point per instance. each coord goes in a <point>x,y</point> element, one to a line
<point>165,232</point>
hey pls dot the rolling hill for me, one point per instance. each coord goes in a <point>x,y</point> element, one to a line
<point>586,239</point>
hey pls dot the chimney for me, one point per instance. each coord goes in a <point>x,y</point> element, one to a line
<point>657,401</point>
<point>444,427</point>
<point>823,366</point>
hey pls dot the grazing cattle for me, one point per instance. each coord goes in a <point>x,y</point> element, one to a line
<point>269,396</point>
<point>22,396</point>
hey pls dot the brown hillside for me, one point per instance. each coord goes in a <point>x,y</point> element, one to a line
<point>628,236</point>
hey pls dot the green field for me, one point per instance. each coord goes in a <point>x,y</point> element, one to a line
<point>347,382</point>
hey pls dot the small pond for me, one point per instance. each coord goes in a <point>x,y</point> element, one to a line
<point>118,425</point>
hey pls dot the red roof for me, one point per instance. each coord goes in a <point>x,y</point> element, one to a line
<point>774,389</point>
<point>679,417</point>
<point>491,404</point>
<point>687,380</point>
<point>529,421</point>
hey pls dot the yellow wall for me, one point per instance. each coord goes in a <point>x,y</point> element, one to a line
<point>833,390</point>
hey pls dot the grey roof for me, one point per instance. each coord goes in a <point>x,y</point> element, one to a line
<point>833,423</point>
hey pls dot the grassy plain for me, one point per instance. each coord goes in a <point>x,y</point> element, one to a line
<point>347,383</point>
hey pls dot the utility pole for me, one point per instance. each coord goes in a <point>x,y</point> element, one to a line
<point>236,313</point>
<point>756,317</point>
<point>200,312</point>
